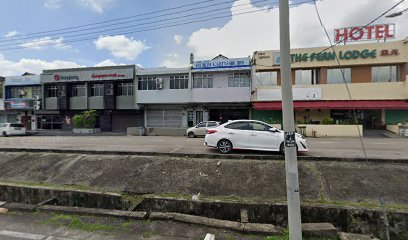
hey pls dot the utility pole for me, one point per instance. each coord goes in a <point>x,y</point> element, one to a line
<point>292,181</point>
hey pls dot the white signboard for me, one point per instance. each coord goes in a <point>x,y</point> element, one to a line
<point>299,94</point>
<point>88,75</point>
<point>222,64</point>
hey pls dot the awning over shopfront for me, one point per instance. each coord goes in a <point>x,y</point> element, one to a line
<point>345,105</point>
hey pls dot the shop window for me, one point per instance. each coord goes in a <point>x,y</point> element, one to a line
<point>179,82</point>
<point>307,77</point>
<point>125,89</point>
<point>97,90</point>
<point>335,75</point>
<point>52,91</point>
<point>79,90</point>
<point>203,81</point>
<point>36,91</point>
<point>147,83</point>
<point>384,74</point>
<point>15,92</point>
<point>238,80</point>
<point>266,78</point>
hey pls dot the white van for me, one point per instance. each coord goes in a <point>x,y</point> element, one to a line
<point>12,129</point>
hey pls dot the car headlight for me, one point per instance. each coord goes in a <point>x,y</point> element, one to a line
<point>300,136</point>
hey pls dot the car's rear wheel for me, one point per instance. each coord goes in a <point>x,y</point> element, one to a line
<point>224,146</point>
<point>191,135</point>
<point>4,134</point>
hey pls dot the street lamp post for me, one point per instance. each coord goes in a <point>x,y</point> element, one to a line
<point>292,181</point>
<point>396,14</point>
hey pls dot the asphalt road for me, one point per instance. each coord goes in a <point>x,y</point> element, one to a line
<point>384,148</point>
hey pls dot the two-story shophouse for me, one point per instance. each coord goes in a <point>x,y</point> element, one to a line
<point>109,90</point>
<point>176,98</point>
<point>22,100</point>
<point>374,85</point>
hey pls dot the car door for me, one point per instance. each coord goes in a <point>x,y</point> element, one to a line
<point>238,134</point>
<point>201,129</point>
<point>262,138</point>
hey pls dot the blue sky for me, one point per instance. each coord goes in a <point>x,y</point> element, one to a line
<point>236,36</point>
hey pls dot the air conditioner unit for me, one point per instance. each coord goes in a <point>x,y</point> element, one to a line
<point>36,97</point>
<point>159,83</point>
<point>36,108</point>
<point>109,92</point>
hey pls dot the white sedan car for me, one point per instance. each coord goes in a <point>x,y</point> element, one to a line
<point>250,134</point>
<point>200,129</point>
<point>9,129</point>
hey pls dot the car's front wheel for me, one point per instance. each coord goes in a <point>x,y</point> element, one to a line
<point>224,146</point>
<point>4,134</point>
<point>191,135</point>
<point>282,149</point>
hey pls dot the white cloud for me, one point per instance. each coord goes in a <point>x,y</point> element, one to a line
<point>11,34</point>
<point>11,68</point>
<point>96,5</point>
<point>107,62</point>
<point>178,39</point>
<point>173,60</point>
<point>120,46</point>
<point>246,33</point>
<point>52,4</point>
<point>41,43</point>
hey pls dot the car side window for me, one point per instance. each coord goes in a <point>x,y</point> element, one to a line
<point>211,124</point>
<point>201,125</point>
<point>238,126</point>
<point>16,125</point>
<point>259,127</point>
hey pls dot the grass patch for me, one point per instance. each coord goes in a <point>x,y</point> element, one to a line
<point>369,205</point>
<point>74,222</point>
<point>285,236</point>
<point>148,234</point>
<point>133,199</point>
<point>50,185</point>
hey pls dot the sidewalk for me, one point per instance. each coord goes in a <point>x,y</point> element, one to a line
<point>70,133</point>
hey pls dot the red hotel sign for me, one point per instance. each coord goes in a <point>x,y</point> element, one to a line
<point>358,33</point>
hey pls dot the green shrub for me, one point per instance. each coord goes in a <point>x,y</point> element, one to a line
<point>328,121</point>
<point>86,119</point>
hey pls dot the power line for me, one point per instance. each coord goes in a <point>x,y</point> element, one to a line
<point>344,78</point>
<point>59,32</point>
<point>136,31</point>
<point>148,29</point>
<point>118,19</point>
<point>131,26</point>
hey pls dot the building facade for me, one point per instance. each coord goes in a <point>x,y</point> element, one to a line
<point>221,89</point>
<point>22,100</point>
<point>371,81</point>
<point>109,90</point>
<point>176,98</point>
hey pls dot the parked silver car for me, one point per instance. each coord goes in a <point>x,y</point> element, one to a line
<point>201,128</point>
<point>12,129</point>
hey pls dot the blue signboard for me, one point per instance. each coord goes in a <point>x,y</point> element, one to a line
<point>221,64</point>
<point>22,80</point>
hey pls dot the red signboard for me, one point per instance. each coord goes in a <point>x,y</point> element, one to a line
<point>358,33</point>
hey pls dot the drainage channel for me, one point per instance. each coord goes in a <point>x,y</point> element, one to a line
<point>348,219</point>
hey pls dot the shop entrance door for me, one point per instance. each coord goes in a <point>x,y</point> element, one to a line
<point>372,119</point>
<point>199,116</point>
<point>26,121</point>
